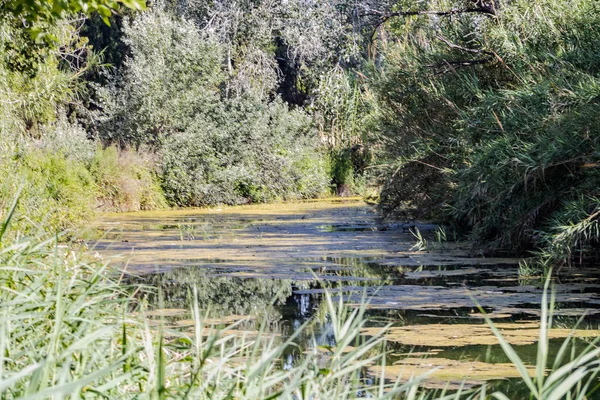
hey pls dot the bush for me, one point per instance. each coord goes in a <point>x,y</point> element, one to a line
<point>214,149</point>
<point>66,178</point>
<point>47,160</point>
<point>536,139</point>
<point>126,181</point>
<point>56,192</point>
<point>246,151</point>
<point>69,139</point>
<point>347,169</point>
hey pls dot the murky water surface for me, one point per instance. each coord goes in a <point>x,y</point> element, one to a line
<point>274,262</point>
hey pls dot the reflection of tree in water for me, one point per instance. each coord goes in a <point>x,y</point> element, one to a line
<point>363,267</point>
<point>220,294</point>
<point>232,293</point>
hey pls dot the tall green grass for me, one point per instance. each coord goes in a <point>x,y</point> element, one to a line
<point>68,331</point>
<point>572,374</point>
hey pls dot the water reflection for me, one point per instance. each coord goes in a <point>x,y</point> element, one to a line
<point>220,295</point>
<point>274,262</point>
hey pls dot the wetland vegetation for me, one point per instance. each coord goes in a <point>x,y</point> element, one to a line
<point>176,182</point>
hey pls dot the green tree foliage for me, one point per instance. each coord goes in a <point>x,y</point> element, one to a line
<point>482,113</point>
<point>172,77</point>
<point>285,46</point>
<point>172,97</point>
<point>48,154</point>
<point>31,81</point>
<point>494,114</point>
<point>49,11</point>
<point>245,151</point>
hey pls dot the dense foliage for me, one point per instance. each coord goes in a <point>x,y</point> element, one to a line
<point>214,148</point>
<point>494,115</point>
<point>179,119</point>
<point>481,114</point>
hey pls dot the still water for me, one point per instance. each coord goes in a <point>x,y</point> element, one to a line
<point>273,263</point>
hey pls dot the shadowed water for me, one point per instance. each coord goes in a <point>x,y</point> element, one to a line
<point>273,262</point>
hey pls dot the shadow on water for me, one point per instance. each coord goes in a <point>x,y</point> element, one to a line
<point>274,263</point>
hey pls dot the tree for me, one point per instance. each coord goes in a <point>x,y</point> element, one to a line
<point>35,14</point>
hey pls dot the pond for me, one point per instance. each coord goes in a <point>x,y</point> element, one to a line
<point>273,263</point>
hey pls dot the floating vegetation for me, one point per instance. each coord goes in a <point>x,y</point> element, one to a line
<point>494,315</point>
<point>445,373</point>
<point>275,264</point>
<point>510,300</point>
<point>266,236</point>
<point>228,320</point>
<point>167,312</point>
<point>458,335</point>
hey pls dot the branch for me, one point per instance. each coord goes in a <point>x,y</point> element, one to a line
<point>447,66</point>
<point>461,48</point>
<point>385,16</point>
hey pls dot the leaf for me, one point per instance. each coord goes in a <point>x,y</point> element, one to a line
<point>10,215</point>
<point>566,385</point>
<point>139,5</point>
<point>6,383</point>
<point>104,11</point>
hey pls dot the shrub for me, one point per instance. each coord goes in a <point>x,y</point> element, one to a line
<point>69,139</point>
<point>56,192</point>
<point>246,151</point>
<point>126,180</point>
<point>47,159</point>
<point>214,149</point>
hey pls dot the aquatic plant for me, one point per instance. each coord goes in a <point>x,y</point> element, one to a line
<point>68,331</point>
<point>571,375</point>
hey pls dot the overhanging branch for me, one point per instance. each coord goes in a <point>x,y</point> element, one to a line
<point>461,48</point>
<point>385,16</point>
